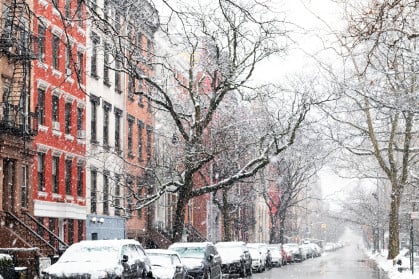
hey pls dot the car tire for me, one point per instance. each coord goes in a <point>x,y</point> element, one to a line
<point>250,271</point>
<point>243,271</point>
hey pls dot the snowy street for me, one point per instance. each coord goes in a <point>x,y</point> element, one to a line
<point>346,263</point>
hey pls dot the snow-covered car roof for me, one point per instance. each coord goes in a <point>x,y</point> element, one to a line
<point>230,243</point>
<point>161,251</point>
<point>190,244</point>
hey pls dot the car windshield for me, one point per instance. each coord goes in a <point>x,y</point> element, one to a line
<point>78,253</point>
<point>160,259</point>
<point>190,252</point>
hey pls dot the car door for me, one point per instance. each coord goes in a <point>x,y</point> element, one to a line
<point>215,264</point>
<point>127,261</point>
<point>180,270</point>
<point>143,262</point>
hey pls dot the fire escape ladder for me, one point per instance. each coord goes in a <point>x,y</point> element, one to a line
<point>30,235</point>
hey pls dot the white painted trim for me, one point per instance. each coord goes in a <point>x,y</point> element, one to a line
<point>60,210</point>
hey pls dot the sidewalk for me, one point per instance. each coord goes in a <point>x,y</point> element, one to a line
<point>392,270</point>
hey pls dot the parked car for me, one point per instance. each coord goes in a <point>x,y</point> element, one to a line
<point>289,253</point>
<point>166,264</point>
<point>235,258</point>
<point>258,259</point>
<point>201,259</point>
<point>276,255</point>
<point>267,253</point>
<point>96,259</point>
<point>295,250</point>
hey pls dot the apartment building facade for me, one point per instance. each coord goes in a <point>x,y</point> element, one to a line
<point>59,92</point>
<point>120,119</point>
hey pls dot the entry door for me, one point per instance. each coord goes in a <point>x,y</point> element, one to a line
<point>8,184</point>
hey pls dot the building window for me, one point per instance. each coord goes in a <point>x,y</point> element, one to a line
<point>118,114</point>
<point>93,190</point>
<point>68,59</point>
<point>52,226</point>
<point>149,104</point>
<point>41,106</point>
<point>117,195</point>
<point>80,59</point>
<point>106,109</point>
<point>141,92</point>
<point>80,112</point>
<point>139,40</point>
<point>131,88</point>
<point>130,182</point>
<point>94,101</point>
<point>70,231</point>
<point>55,51</point>
<point>55,173</point>
<point>41,172</point>
<point>67,8</point>
<point>24,187</point>
<point>79,13</point>
<point>55,108</point>
<point>107,9</point>
<point>140,184</point>
<point>80,230</point>
<point>106,62</point>
<point>149,142</point>
<point>68,118</point>
<point>80,175</point>
<point>68,176</point>
<point>118,74</point>
<point>118,21</point>
<point>140,125</point>
<point>130,134</point>
<point>93,58</point>
<point>106,193</point>
<point>41,42</point>
<point>150,51</point>
<point>39,229</point>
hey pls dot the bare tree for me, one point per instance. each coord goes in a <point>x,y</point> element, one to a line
<point>378,110</point>
<point>291,177</point>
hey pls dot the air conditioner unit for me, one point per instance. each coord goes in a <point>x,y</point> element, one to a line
<point>81,134</point>
<point>56,125</point>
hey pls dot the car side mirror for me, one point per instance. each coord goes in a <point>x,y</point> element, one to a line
<point>125,258</point>
<point>179,269</point>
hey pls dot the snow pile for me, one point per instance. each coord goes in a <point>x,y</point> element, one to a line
<point>390,268</point>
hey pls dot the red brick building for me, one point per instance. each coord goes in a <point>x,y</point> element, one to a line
<point>58,89</point>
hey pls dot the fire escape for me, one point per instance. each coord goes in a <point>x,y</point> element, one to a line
<point>18,123</point>
<point>16,44</point>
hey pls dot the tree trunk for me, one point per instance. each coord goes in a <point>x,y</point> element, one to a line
<point>272,234</point>
<point>393,245</point>
<point>227,227</point>
<point>281,230</point>
<point>178,227</point>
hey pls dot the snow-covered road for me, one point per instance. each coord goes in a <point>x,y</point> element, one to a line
<point>349,262</point>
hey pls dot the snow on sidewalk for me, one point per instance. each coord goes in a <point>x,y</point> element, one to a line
<point>392,270</point>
